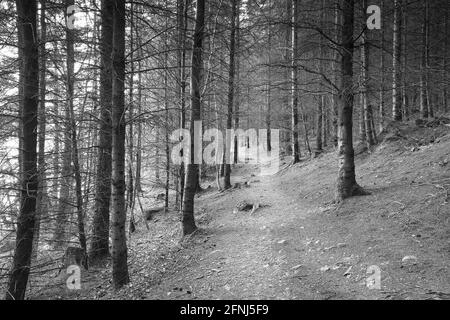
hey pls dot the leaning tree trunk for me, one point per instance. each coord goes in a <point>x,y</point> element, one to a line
<point>27,26</point>
<point>119,244</point>
<point>346,183</point>
<point>188,220</point>
<point>231,73</point>
<point>294,78</point>
<point>396,63</point>
<point>99,248</point>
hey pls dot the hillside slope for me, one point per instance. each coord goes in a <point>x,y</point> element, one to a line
<point>300,245</point>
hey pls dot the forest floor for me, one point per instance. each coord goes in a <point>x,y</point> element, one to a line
<point>299,244</point>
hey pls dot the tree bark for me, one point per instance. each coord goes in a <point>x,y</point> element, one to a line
<point>404,62</point>
<point>183,24</point>
<point>42,199</point>
<point>99,247</point>
<point>188,220</point>
<point>294,85</point>
<point>231,75</point>
<point>381,110</point>
<point>119,245</point>
<point>336,65</point>
<point>166,116</point>
<point>27,21</point>
<point>346,182</point>
<point>365,58</point>
<point>424,103</point>
<point>321,99</point>
<point>237,85</point>
<point>446,47</point>
<point>396,63</point>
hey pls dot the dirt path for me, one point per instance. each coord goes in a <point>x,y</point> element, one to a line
<point>263,255</point>
<point>298,245</point>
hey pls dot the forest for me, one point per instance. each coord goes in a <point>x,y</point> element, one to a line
<point>224,149</point>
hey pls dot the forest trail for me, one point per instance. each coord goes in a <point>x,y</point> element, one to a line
<point>245,257</point>
<point>298,244</point>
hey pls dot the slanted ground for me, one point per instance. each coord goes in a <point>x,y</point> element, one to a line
<point>298,244</point>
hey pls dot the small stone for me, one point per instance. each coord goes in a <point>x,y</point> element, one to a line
<point>409,260</point>
<point>347,272</point>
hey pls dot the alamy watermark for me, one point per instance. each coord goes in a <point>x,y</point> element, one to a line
<point>73,281</point>
<point>253,147</point>
<point>373,281</point>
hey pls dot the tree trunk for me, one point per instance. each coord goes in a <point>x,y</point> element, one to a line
<point>321,99</point>
<point>231,73</point>
<point>42,199</point>
<point>287,71</point>
<point>346,183</point>
<point>237,85</point>
<point>381,111</point>
<point>336,65</point>
<point>269,93</point>
<point>27,21</point>
<point>130,188</point>
<point>427,59</point>
<point>423,67</point>
<point>70,62</point>
<point>188,220</point>
<point>99,248</point>
<point>119,245</point>
<point>446,47</point>
<point>65,200</point>
<point>183,24</point>
<point>396,62</point>
<point>365,58</point>
<point>404,62</point>
<point>166,116</point>
<point>294,78</point>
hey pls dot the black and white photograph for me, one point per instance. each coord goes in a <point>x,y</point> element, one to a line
<point>223,156</point>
